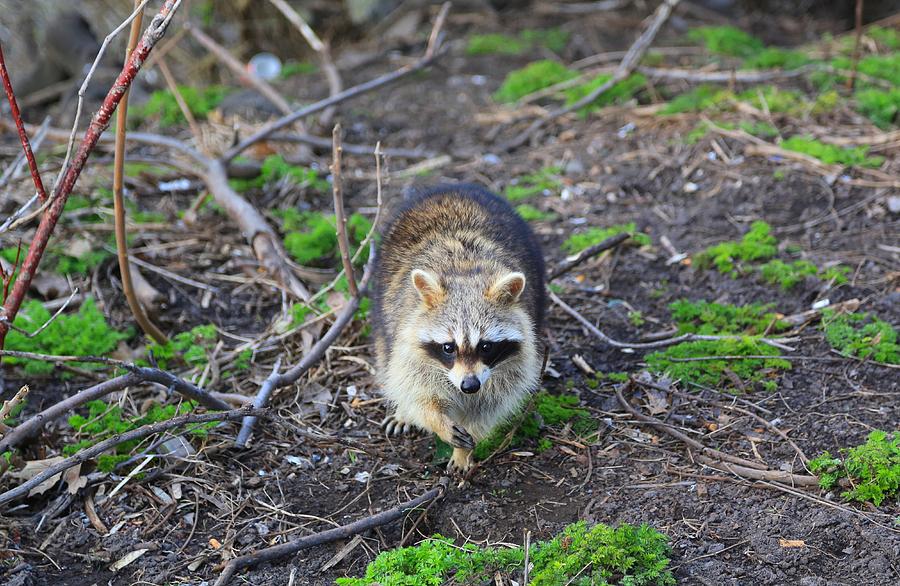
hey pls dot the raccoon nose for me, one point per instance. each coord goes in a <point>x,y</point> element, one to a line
<point>470,384</point>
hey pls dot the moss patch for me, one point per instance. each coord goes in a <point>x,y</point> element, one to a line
<point>84,333</point>
<point>543,182</point>
<point>726,40</point>
<point>545,410</point>
<point>274,168</point>
<point>579,555</point>
<point>189,348</point>
<point>582,240</point>
<point>312,236</point>
<point>531,78</point>
<point>879,105</point>
<point>200,101</point>
<point>861,335</point>
<point>499,44</point>
<point>831,154</point>
<point>789,275</point>
<point>617,94</point>
<point>757,244</point>
<point>530,213</point>
<point>873,468</point>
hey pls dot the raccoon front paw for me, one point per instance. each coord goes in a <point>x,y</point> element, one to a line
<point>393,426</point>
<point>462,438</point>
<point>460,462</point>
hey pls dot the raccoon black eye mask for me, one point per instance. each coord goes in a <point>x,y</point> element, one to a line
<point>489,353</point>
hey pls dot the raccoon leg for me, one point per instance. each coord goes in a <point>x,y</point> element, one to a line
<point>452,433</point>
<point>394,426</point>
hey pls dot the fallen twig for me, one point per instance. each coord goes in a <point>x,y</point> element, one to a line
<point>137,310</point>
<point>137,374</point>
<point>285,549</point>
<point>570,263</point>
<point>432,52</point>
<point>277,380</point>
<point>135,434</point>
<point>726,76</point>
<point>626,67</point>
<point>64,187</point>
<point>340,217</point>
<point>780,343</point>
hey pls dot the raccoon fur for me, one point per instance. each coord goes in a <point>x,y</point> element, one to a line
<point>458,304</point>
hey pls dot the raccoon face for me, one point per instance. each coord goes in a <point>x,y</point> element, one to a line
<point>471,330</point>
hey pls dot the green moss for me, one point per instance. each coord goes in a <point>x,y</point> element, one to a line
<point>636,318</point>
<point>274,168</point>
<point>719,373</point>
<point>295,68</point>
<point>886,67</point>
<point>104,420</point>
<point>531,78</point>
<point>775,99</point>
<point>861,335</point>
<point>312,236</point>
<point>542,182</point>
<point>545,410</point>
<point>726,40</point>
<point>887,37</point>
<point>578,242</point>
<point>602,555</point>
<point>617,94</point>
<point>776,58</point>
<point>704,317</point>
<point>530,213</point>
<point>757,244</point>
<point>879,105</point>
<point>831,154</point>
<point>498,44</point>
<point>191,347</point>
<point>700,99</point>
<point>760,129</point>
<point>873,468</point>
<point>579,555</point>
<point>200,101</point>
<point>788,275</point>
<point>495,44</point>
<point>84,333</point>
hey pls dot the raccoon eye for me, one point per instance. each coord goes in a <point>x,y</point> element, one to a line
<point>485,347</point>
<point>449,348</point>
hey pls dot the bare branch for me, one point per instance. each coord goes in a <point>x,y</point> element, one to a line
<point>570,263</point>
<point>291,547</point>
<point>340,218</point>
<point>135,434</point>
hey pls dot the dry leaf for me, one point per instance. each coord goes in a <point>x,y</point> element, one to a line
<point>215,543</point>
<point>74,479</point>
<point>127,559</point>
<point>34,467</point>
<point>791,543</point>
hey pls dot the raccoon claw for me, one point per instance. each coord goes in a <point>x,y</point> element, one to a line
<point>394,427</point>
<point>462,438</point>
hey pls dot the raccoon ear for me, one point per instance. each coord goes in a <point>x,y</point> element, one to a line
<point>507,288</point>
<point>428,287</point>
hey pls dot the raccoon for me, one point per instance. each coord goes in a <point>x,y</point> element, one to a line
<point>458,304</point>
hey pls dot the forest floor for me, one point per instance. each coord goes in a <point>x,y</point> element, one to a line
<point>627,163</point>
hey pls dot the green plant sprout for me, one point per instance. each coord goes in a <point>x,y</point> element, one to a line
<point>873,468</point>
<point>531,78</point>
<point>191,348</point>
<point>617,94</point>
<point>831,154</point>
<point>312,237</point>
<point>84,333</point>
<point>861,335</point>
<point>274,168</point>
<point>542,182</point>
<point>200,101</point>
<point>578,556</point>
<point>582,240</point>
<point>499,44</point>
<point>757,244</point>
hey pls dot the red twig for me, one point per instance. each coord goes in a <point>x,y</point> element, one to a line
<point>20,126</point>
<point>100,122</point>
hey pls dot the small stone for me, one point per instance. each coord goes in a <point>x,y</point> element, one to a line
<point>690,187</point>
<point>893,204</point>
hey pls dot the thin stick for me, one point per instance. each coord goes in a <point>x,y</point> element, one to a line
<point>670,430</point>
<point>137,310</point>
<point>339,216</point>
<point>292,375</point>
<point>20,127</point>
<point>378,203</point>
<point>569,264</point>
<point>431,54</point>
<point>137,374</point>
<point>285,549</point>
<point>8,406</point>
<point>852,77</point>
<point>238,68</point>
<point>726,76</point>
<point>775,342</point>
<point>63,188</point>
<point>626,67</point>
<point>182,104</point>
<point>135,434</point>
<point>332,75</point>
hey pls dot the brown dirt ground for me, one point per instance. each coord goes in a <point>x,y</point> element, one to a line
<point>723,530</point>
